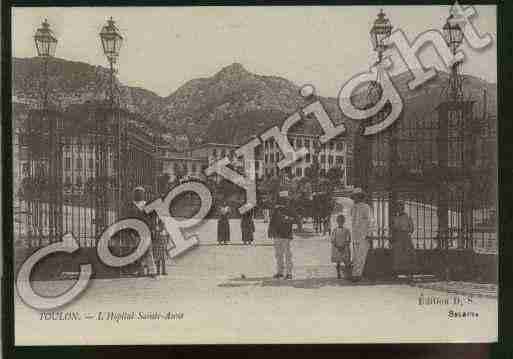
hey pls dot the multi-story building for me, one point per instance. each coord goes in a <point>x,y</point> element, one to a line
<point>335,153</point>
<point>193,162</point>
<point>213,152</point>
<point>78,145</point>
<point>179,165</point>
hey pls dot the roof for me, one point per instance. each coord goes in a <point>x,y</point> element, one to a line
<point>215,144</point>
<point>183,158</point>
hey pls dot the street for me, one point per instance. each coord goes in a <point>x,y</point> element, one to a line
<point>227,295</point>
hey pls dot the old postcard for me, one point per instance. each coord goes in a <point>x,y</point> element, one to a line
<point>228,175</point>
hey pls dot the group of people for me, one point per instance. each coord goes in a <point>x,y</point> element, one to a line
<point>247,226</point>
<point>349,251</point>
<point>349,247</point>
<point>153,262</point>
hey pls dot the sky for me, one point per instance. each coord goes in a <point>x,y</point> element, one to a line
<point>167,46</point>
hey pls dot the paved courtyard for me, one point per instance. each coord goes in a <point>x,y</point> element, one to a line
<point>227,295</point>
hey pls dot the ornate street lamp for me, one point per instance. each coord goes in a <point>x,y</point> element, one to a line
<point>45,40</point>
<point>111,42</point>
<point>453,35</point>
<point>380,31</point>
<point>46,43</point>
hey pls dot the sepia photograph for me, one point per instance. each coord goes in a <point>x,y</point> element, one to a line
<point>254,174</point>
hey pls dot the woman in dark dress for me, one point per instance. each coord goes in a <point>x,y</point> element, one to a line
<point>223,225</point>
<point>247,227</point>
<point>159,244</point>
<point>402,247</point>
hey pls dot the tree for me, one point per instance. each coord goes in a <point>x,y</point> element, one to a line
<point>335,175</point>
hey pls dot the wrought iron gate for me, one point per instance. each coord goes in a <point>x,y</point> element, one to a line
<point>442,166</point>
<point>76,171</point>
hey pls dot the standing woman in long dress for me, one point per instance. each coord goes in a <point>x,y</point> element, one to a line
<point>223,225</point>
<point>247,226</point>
<point>403,251</point>
<point>361,220</point>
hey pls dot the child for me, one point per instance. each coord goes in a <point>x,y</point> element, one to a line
<point>340,250</point>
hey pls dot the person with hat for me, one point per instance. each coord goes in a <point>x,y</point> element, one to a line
<point>361,221</point>
<point>280,230</point>
<point>135,209</point>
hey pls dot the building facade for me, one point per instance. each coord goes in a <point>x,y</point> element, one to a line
<point>336,153</point>
<point>76,169</point>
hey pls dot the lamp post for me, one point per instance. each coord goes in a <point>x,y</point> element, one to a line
<point>453,35</point>
<point>379,32</point>
<point>46,43</point>
<point>457,116</point>
<point>374,147</point>
<point>111,41</point>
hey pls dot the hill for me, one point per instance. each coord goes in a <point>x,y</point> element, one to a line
<point>229,106</point>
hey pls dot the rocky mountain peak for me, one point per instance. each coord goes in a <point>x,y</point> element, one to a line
<point>229,106</point>
<point>234,70</point>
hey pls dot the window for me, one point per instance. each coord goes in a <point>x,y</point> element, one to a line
<point>91,164</point>
<point>299,143</point>
<point>299,172</point>
<point>340,159</point>
<point>67,163</point>
<point>266,158</point>
<point>332,146</point>
<point>277,156</point>
<point>271,157</point>
<point>79,164</point>
<point>214,153</point>
<point>79,181</point>
<point>307,158</point>
<point>330,159</point>
<point>257,165</point>
<point>193,168</point>
<point>68,181</point>
<point>323,158</point>
<point>307,143</point>
<point>340,146</point>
